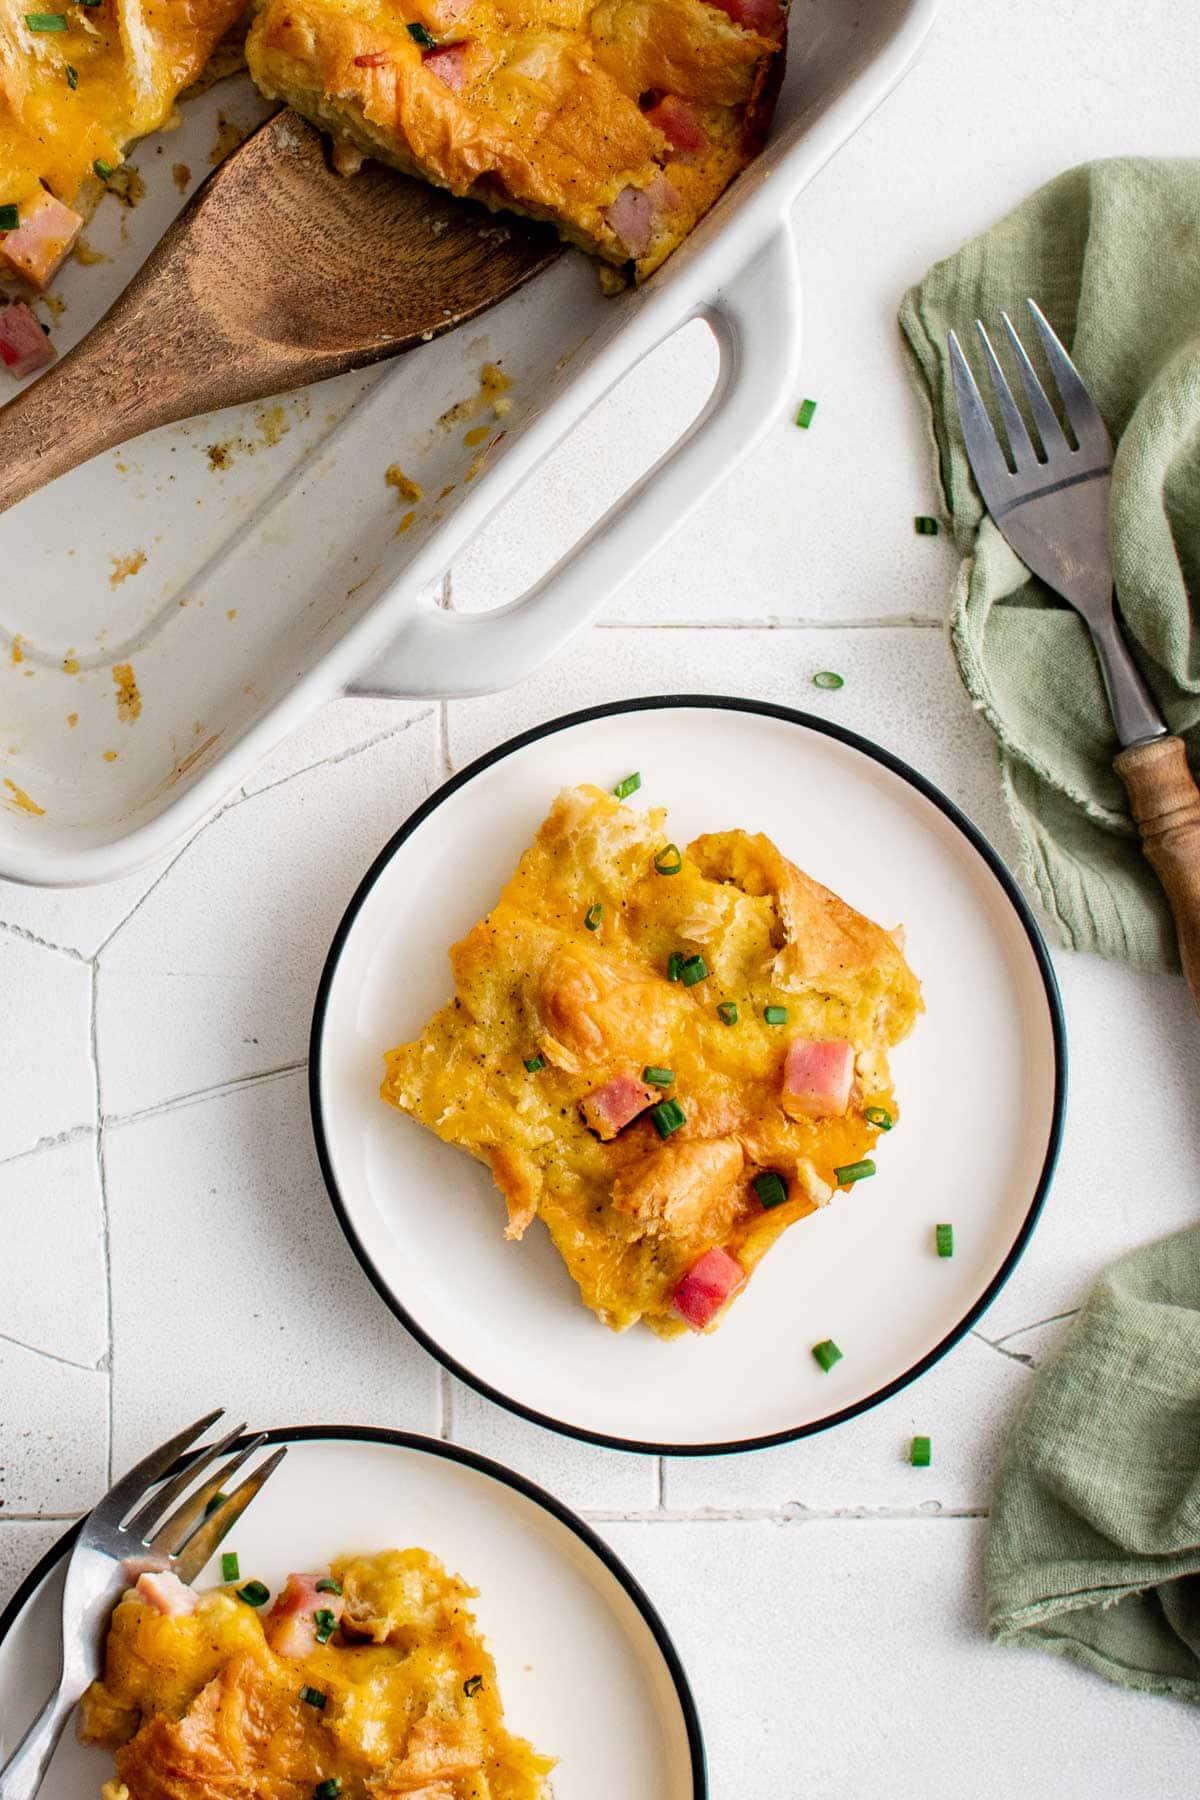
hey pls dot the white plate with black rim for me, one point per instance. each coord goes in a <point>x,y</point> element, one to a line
<point>981,1083</point>
<point>586,1668</point>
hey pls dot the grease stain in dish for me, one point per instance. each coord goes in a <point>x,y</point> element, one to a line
<point>70,663</point>
<point>406,488</point>
<point>84,254</point>
<point>229,135</point>
<point>125,566</point>
<point>405,524</point>
<point>72,719</point>
<point>181,175</point>
<point>111,755</point>
<point>21,802</point>
<point>17,654</point>
<point>129,699</point>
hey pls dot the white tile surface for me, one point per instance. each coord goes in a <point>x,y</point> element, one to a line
<point>834,1655</point>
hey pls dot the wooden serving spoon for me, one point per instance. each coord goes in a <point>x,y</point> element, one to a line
<point>278,272</point>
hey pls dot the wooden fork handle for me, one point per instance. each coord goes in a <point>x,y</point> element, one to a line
<point>1165,802</point>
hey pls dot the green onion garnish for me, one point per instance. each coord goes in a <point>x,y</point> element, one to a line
<point>674,965</point>
<point>72,75</point>
<point>827,1353</point>
<point>535,1065</point>
<point>668,861</point>
<point>849,1173</point>
<point>657,1077</point>
<point>313,1697</point>
<point>878,1116</point>
<point>326,1624</point>
<point>217,1500</point>
<point>828,678</point>
<point>925,526</point>
<point>593,917</point>
<point>920,1453</point>
<point>692,970</point>
<point>104,169</point>
<point>229,1566</point>
<point>472,1685</point>
<point>667,1117</point>
<point>327,1585</point>
<point>727,1012</point>
<point>46,21</point>
<point>770,1188</point>
<point>10,218</point>
<point>419,35</point>
<point>630,785</point>
<point>944,1236</point>
<point>804,417</point>
<point>254,1593</point>
<point>328,1790</point>
<point>775,1015</point>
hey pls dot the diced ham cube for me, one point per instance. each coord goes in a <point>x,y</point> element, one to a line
<point>44,237</point>
<point>166,1593</point>
<point>636,211</point>
<point>763,16</point>
<point>449,63</point>
<point>24,346</point>
<point>290,1625</point>
<point>610,1108</point>
<point>817,1077</point>
<point>679,125</point>
<point>708,1286</point>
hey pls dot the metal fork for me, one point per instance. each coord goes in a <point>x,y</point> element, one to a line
<point>1052,508</point>
<point>114,1546</point>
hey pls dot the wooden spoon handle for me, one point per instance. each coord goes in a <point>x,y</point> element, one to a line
<point>1165,802</point>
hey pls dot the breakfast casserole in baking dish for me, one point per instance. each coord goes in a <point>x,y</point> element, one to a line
<point>370,1682</point>
<point>668,1056</point>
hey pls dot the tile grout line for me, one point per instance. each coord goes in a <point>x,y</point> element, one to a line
<point>26,936</point>
<point>795,1514</point>
<point>443,736</point>
<point>105,1221</point>
<point>115,1121</point>
<point>880,622</point>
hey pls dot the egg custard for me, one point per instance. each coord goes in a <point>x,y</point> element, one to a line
<point>370,1681</point>
<point>619,121</point>
<point>668,1056</point>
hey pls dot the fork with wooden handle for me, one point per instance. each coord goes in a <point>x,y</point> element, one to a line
<point>1053,510</point>
<point>124,1536</point>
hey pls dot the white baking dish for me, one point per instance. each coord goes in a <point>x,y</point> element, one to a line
<point>280,581</point>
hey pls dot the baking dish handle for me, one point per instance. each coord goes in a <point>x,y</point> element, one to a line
<point>756,317</point>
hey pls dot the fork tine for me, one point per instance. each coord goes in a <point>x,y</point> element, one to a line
<point>1054,441</point>
<point>131,1487</point>
<point>1080,408</point>
<point>199,1547</point>
<point>983,447</point>
<point>148,1516</point>
<point>1019,442</point>
<point>175,1531</point>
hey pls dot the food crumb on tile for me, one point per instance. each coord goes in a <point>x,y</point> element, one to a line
<point>129,700</point>
<point>125,566</point>
<point>21,801</point>
<point>405,486</point>
<point>181,175</point>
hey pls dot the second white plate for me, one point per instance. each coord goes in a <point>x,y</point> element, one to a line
<point>981,1084</point>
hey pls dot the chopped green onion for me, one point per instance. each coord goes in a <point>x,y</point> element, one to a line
<point>921,1452</point>
<point>327,1585</point>
<point>849,1173</point>
<point>313,1697</point>
<point>229,1566</point>
<point>775,1015</point>
<point>630,785</point>
<point>254,1593</point>
<point>217,1500</point>
<point>692,970</point>
<point>593,917</point>
<point>535,1065</point>
<point>727,1013</point>
<point>804,417</point>
<point>10,218</point>
<point>925,526</point>
<point>326,1624</point>
<point>657,1077</point>
<point>328,1790</point>
<point>72,75</point>
<point>667,1117</point>
<point>674,965</point>
<point>104,169</point>
<point>668,861</point>
<point>944,1236</point>
<point>472,1685</point>
<point>827,1353</point>
<point>770,1188</point>
<point>46,21</point>
<point>419,35</point>
<point>828,678</point>
<point>878,1116</point>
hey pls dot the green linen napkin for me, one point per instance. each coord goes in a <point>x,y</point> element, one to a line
<point>1111,251</point>
<point>1094,1545</point>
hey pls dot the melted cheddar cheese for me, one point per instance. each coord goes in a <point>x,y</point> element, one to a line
<point>547,976</point>
<point>197,1706</point>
